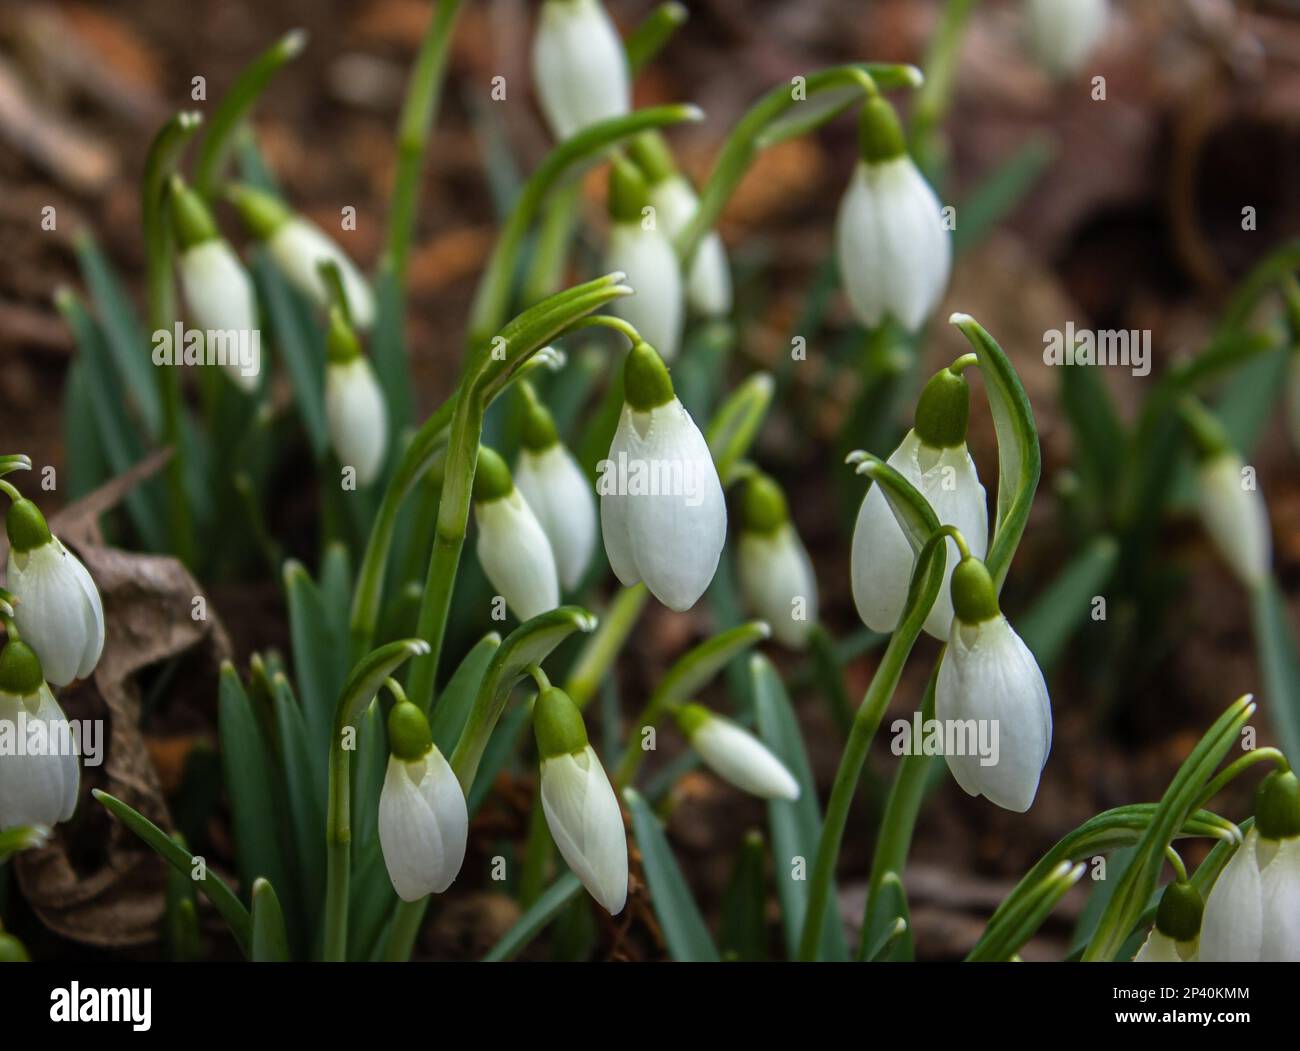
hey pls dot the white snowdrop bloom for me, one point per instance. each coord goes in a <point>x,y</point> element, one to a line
<point>423,818</point>
<point>59,612</point>
<point>640,247</point>
<point>1174,938</point>
<point>1234,514</point>
<point>580,70</point>
<point>662,511</point>
<point>578,802</point>
<point>559,493</point>
<point>776,574</point>
<point>989,675</point>
<point>1253,910</point>
<point>893,250</point>
<point>1062,33</point>
<point>38,783</point>
<point>933,457</point>
<point>736,755</point>
<point>355,411</point>
<point>512,546</point>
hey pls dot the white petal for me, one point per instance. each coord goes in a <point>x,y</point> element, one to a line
<point>1158,948</point>
<point>989,675</point>
<point>655,307</point>
<point>614,506</point>
<point>1280,897</point>
<point>1063,33</point>
<point>422,826</point>
<point>299,246</point>
<point>516,556</point>
<point>579,68</point>
<point>1232,928</point>
<point>59,615</point>
<point>219,296</point>
<point>441,790</point>
<point>357,417</point>
<point>587,825</point>
<point>708,284</point>
<point>40,787</point>
<point>561,497</point>
<point>741,758</point>
<point>1236,518</point>
<point>776,577</point>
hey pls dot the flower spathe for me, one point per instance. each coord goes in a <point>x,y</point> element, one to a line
<point>1253,911</point>
<point>736,755</point>
<point>299,247</point>
<point>357,416</point>
<point>38,783</point>
<point>1235,516</point>
<point>423,825</point>
<point>561,498</point>
<point>59,612</point>
<point>579,68</point>
<point>1063,33</point>
<point>586,823</point>
<point>219,295</point>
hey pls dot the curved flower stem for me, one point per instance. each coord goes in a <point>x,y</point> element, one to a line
<point>10,490</point>
<point>1239,766</point>
<point>654,31</point>
<point>164,152</point>
<point>1176,862</point>
<point>551,247</point>
<point>609,321</point>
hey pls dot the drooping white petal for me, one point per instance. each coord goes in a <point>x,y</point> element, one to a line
<point>579,67</point>
<point>1236,517</point>
<point>1160,948</point>
<point>989,675</point>
<point>298,247</point>
<point>655,307</point>
<point>561,497</point>
<point>881,560</point>
<point>219,297</point>
<point>708,283</point>
<point>1062,33</point>
<point>1232,928</point>
<point>776,577</point>
<point>587,825</point>
<point>59,614</point>
<point>423,825</point>
<point>738,756</point>
<point>39,781</point>
<point>894,253</point>
<point>357,417</point>
<point>516,556</point>
<point>662,509</point>
<point>1280,897</point>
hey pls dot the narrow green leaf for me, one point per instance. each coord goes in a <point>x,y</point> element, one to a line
<point>1001,190</point>
<point>452,706</point>
<point>270,943</point>
<point>743,935</point>
<point>895,940</point>
<point>1067,601</point>
<point>653,32</point>
<point>1279,663</point>
<point>736,423</point>
<point>1099,439</point>
<point>21,837</point>
<point>306,792</point>
<point>504,743</point>
<point>319,660</point>
<point>535,918</point>
<point>87,468</point>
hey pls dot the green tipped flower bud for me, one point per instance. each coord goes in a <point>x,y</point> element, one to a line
<point>1277,806</point>
<point>646,384</point>
<point>263,213</point>
<point>194,223</point>
<point>651,153</point>
<point>1180,911</point>
<point>974,598</point>
<point>943,410</point>
<point>20,669</point>
<point>492,479</point>
<point>409,736</point>
<point>735,754</point>
<point>628,192</point>
<point>26,527</point>
<point>342,344</point>
<point>558,724</point>
<point>880,135</point>
<point>764,509</point>
<point>1208,434</point>
<point>537,432</point>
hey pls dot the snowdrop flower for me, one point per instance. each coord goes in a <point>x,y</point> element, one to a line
<point>640,248</point>
<point>38,786</point>
<point>218,290</point>
<point>579,805</point>
<point>934,459</point>
<point>512,546</point>
<point>776,575</point>
<point>579,68</point>
<point>423,819</point>
<point>989,675</point>
<point>355,411</point>
<point>1062,33</point>
<point>59,612</point>
<point>558,492</point>
<point>1174,937</point>
<point>893,250</point>
<point>661,505</point>
<point>708,280</point>
<point>736,755</point>
<point>299,247</point>
<point>1253,910</point>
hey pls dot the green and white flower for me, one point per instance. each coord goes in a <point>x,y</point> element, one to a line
<point>579,69</point>
<point>59,612</point>
<point>736,755</point>
<point>423,819</point>
<point>355,410</point>
<point>512,546</point>
<point>894,253</point>
<point>1175,936</point>
<point>578,802</point>
<point>1063,33</point>
<point>36,787</point>
<point>776,574</point>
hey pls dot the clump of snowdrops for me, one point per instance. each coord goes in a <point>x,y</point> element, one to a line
<point>353,782</point>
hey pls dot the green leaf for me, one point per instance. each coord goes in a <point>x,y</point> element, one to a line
<point>180,914</point>
<point>306,791</point>
<point>895,940</point>
<point>212,885</point>
<point>535,918</point>
<point>319,660</point>
<point>653,32</point>
<point>20,838</point>
<point>795,825</point>
<point>87,468</point>
<point>743,935</point>
<point>270,943</point>
<point>1099,440</point>
<point>683,927</point>
<point>452,706</point>
<point>1067,601</point>
<point>912,511</point>
<point>736,423</point>
<point>301,347</point>
<point>1016,925</point>
<point>1278,662</point>
<point>1001,190</point>
<point>388,351</point>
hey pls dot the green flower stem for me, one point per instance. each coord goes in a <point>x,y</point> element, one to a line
<point>603,648</point>
<point>935,96</point>
<point>655,30</point>
<point>551,249</point>
<point>164,153</point>
<point>826,671</point>
<point>422,96</point>
<point>615,323</point>
<point>1238,767</point>
<point>220,138</point>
